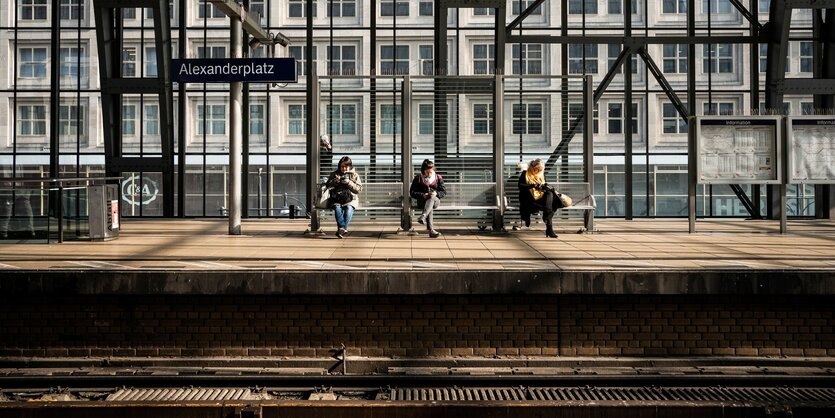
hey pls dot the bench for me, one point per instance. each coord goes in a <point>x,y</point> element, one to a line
<point>381,196</point>
<point>468,196</point>
<point>580,193</point>
<point>378,197</point>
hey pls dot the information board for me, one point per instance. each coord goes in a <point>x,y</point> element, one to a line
<point>811,148</point>
<point>738,150</point>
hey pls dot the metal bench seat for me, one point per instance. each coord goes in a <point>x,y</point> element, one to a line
<point>380,196</point>
<point>469,196</point>
<point>580,193</point>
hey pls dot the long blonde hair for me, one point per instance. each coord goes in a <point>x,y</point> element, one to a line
<point>534,164</point>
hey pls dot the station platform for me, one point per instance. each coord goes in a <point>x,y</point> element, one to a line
<point>725,256</point>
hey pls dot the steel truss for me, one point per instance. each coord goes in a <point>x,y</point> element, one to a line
<point>109,38</point>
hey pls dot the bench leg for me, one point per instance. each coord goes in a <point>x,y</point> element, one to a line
<point>315,219</point>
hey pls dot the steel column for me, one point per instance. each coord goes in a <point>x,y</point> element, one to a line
<point>691,123</point>
<point>498,118</point>
<point>588,144</point>
<point>825,68</point>
<point>313,149</point>
<point>627,112</point>
<point>182,108</point>
<point>55,91</point>
<point>440,117</point>
<point>236,132</point>
<point>312,121</point>
<point>406,153</point>
<point>498,151</point>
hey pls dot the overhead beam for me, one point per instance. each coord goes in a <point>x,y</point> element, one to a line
<point>665,85</point>
<point>810,4</point>
<point>527,12</point>
<point>809,86</point>
<point>635,41</point>
<point>251,25</point>
<point>464,4</point>
<point>746,13</point>
<point>575,124</point>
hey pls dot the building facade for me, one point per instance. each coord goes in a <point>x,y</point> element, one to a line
<point>362,38</point>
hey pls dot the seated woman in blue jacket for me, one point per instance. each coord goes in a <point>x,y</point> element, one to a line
<point>428,189</point>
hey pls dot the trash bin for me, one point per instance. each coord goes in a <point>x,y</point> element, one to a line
<point>103,211</point>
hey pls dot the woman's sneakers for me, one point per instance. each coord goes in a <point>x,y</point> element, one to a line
<point>421,219</point>
<point>341,232</point>
<point>434,234</point>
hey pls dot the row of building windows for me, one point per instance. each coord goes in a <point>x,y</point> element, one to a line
<point>33,62</point>
<point>344,118</point>
<point>37,10</point>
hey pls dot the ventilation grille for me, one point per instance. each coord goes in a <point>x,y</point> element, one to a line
<point>181,394</point>
<point>458,394</point>
<point>784,395</point>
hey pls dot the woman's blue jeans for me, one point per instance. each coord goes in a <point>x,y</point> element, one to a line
<point>343,215</point>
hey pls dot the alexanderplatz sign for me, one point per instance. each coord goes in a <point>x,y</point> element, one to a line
<point>247,70</point>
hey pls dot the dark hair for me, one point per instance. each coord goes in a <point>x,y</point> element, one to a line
<point>427,163</point>
<point>345,160</point>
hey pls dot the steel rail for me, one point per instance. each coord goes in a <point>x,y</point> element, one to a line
<point>363,381</point>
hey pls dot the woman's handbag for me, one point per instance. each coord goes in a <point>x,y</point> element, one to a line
<point>323,196</point>
<point>565,199</point>
<point>342,196</point>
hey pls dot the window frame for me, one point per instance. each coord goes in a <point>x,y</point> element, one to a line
<point>521,114</point>
<point>488,121</point>
<point>341,60</point>
<point>520,54</point>
<point>210,122</point>
<point>34,121</point>
<point>342,5</point>
<point>35,66</point>
<point>74,5</point>
<point>713,58</point>
<point>679,124</point>
<point>33,6</point>
<point>394,8</point>
<point>489,58</point>
<point>588,58</point>
<point>399,61</point>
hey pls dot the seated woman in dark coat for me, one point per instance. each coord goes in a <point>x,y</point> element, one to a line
<point>536,196</point>
<point>428,189</point>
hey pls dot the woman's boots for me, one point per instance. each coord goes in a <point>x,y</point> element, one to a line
<point>549,230</point>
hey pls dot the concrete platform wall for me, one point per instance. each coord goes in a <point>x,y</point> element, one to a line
<point>416,326</point>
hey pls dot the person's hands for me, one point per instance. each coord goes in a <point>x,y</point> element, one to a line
<point>427,195</point>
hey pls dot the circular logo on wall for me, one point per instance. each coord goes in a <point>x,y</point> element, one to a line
<point>139,191</point>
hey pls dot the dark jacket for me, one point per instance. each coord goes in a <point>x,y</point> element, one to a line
<point>418,188</point>
<point>527,205</point>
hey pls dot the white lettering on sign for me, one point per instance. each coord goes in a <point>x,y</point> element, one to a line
<point>227,69</point>
<point>138,190</point>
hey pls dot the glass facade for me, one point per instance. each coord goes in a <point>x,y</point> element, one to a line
<point>362,37</point>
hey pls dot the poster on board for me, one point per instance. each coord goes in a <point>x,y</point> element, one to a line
<point>738,150</point>
<point>811,149</point>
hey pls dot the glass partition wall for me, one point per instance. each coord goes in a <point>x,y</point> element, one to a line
<point>50,111</point>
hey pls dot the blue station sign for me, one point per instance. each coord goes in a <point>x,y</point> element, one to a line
<point>248,70</point>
